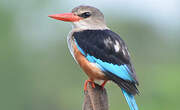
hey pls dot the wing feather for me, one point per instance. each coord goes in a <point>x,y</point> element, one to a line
<point>108,50</point>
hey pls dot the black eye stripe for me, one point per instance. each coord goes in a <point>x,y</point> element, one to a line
<point>85,15</point>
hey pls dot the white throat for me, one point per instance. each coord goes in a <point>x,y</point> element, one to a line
<point>82,25</point>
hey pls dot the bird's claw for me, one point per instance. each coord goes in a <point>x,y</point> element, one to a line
<point>86,82</point>
<point>103,84</point>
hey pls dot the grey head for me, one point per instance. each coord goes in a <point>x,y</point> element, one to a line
<point>92,18</point>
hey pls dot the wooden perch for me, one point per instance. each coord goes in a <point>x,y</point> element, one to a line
<point>95,98</point>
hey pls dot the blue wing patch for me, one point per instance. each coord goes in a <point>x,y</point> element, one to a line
<point>120,71</point>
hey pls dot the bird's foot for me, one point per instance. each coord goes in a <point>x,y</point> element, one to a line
<point>104,83</point>
<point>86,82</point>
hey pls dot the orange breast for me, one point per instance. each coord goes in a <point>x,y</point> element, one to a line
<point>89,68</point>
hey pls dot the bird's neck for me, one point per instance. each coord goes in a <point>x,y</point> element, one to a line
<point>79,26</point>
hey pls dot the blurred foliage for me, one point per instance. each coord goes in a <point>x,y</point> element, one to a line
<point>38,72</point>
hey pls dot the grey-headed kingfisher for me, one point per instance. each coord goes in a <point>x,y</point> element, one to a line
<point>100,52</point>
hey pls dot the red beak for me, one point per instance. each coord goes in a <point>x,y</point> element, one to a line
<point>69,17</point>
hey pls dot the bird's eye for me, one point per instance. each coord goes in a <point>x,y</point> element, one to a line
<point>85,15</point>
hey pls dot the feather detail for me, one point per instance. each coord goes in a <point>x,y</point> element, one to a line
<point>130,100</point>
<point>119,74</point>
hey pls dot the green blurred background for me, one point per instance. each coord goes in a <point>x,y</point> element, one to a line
<point>37,71</point>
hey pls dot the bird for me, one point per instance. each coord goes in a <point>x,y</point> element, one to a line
<point>100,52</point>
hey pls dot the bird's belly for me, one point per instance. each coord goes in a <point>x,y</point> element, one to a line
<point>89,68</point>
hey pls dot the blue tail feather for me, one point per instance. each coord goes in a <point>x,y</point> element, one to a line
<point>130,100</point>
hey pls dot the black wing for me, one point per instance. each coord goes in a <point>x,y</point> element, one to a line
<point>108,47</point>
